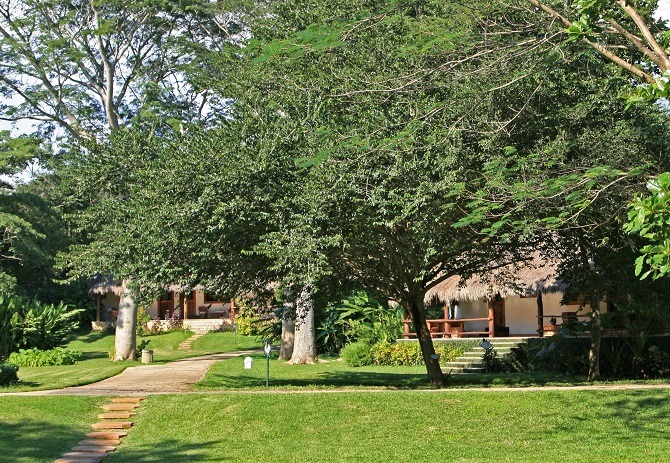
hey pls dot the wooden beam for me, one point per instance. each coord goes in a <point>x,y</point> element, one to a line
<point>492,323</point>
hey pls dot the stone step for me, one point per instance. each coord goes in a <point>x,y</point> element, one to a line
<point>85,455</point>
<point>99,442</point>
<point>107,434</point>
<point>120,407</point>
<point>127,400</point>
<point>116,415</point>
<point>79,459</point>
<point>112,425</point>
<point>93,448</point>
<point>463,364</point>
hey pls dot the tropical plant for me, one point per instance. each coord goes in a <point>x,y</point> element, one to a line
<point>28,324</point>
<point>358,317</point>
<point>8,374</point>
<point>40,358</point>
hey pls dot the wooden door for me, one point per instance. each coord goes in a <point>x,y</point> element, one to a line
<point>499,312</point>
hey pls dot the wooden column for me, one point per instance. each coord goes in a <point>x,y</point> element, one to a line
<point>540,314</point>
<point>492,326</point>
<point>97,315</point>
<point>182,304</point>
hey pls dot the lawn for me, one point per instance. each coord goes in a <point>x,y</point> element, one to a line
<point>402,426</point>
<point>96,365</point>
<point>334,373</point>
<point>40,429</point>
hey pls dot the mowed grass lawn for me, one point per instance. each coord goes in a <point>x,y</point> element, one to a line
<point>334,373</point>
<point>40,429</point>
<point>95,364</point>
<point>402,426</point>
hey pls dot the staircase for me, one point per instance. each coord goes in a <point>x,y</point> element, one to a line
<point>473,361</point>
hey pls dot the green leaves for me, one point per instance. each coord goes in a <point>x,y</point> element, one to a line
<point>649,218</point>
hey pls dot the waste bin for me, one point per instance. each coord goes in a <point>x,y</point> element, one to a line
<point>147,356</point>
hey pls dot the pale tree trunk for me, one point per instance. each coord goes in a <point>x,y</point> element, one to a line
<point>126,323</point>
<point>287,339</point>
<point>596,335</point>
<point>432,361</point>
<point>304,348</point>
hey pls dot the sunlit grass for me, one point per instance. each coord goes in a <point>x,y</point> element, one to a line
<point>402,426</point>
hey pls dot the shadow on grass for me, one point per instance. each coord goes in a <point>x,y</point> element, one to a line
<point>36,440</point>
<point>90,355</point>
<point>644,412</point>
<point>94,336</point>
<point>324,380</point>
<point>168,451</point>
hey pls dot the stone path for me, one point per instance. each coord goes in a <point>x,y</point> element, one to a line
<point>108,432</point>
<point>186,345</point>
<point>177,376</point>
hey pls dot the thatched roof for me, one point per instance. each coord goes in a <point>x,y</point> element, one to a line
<point>102,285</point>
<point>526,278</point>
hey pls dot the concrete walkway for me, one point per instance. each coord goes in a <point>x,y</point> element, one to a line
<point>177,376</point>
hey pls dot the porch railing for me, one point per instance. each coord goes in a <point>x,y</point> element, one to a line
<point>450,328</point>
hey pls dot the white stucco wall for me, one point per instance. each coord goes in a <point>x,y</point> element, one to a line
<point>520,313</point>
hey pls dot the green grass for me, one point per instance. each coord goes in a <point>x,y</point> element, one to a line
<point>226,342</point>
<point>402,426</point>
<point>96,365</point>
<point>334,373</point>
<point>40,429</point>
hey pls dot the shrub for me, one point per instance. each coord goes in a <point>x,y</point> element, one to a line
<point>248,323</point>
<point>40,358</point>
<point>409,353</point>
<point>357,354</point>
<point>143,319</point>
<point>26,324</point>
<point>358,317</point>
<point>8,374</point>
<point>551,354</point>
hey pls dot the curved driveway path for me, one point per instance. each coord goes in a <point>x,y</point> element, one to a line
<point>176,376</point>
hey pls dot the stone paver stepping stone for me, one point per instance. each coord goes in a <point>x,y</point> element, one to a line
<point>127,400</point>
<point>86,455</point>
<point>94,448</point>
<point>116,415</point>
<point>79,459</point>
<point>120,407</point>
<point>98,442</point>
<point>112,425</point>
<point>107,434</point>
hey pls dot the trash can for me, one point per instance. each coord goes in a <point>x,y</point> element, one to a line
<point>248,363</point>
<point>147,356</point>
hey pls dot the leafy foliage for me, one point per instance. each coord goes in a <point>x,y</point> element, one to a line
<point>649,218</point>
<point>40,358</point>
<point>8,374</point>
<point>358,317</point>
<point>31,324</point>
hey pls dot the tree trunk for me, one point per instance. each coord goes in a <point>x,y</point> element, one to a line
<point>432,361</point>
<point>596,334</point>
<point>304,347</point>
<point>287,339</point>
<point>126,324</point>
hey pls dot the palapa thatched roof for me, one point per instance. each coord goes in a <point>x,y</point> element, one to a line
<point>102,285</point>
<point>523,278</point>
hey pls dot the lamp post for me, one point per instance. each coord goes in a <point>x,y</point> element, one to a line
<point>268,349</point>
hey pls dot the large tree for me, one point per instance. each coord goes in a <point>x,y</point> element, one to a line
<point>91,66</point>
